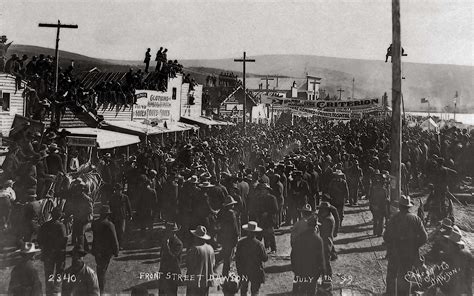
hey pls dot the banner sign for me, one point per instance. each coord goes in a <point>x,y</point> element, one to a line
<point>155,106</point>
<point>367,103</point>
<point>81,141</point>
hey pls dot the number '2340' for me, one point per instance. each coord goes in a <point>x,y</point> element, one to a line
<point>70,278</point>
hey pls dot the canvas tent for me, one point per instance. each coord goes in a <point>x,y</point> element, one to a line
<point>429,125</point>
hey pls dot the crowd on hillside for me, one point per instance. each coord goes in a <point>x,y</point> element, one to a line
<point>223,195</point>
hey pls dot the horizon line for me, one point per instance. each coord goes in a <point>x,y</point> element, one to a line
<point>226,58</point>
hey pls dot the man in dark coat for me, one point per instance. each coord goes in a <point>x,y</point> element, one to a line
<point>327,234</point>
<point>404,236</point>
<point>85,280</point>
<point>147,60</point>
<point>105,244</point>
<point>79,205</point>
<point>267,209</point>
<point>354,180</point>
<point>170,260</point>
<point>378,200</point>
<point>53,240</point>
<point>339,193</point>
<point>228,233</point>
<point>121,211</point>
<point>54,162</point>
<point>277,188</point>
<point>146,203</point>
<point>307,260</point>
<point>24,278</point>
<point>297,196</point>
<point>249,258</point>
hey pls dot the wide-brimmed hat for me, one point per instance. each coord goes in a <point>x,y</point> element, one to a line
<point>229,201</point>
<point>51,135</point>
<point>252,226</point>
<point>193,179</point>
<point>201,232</point>
<point>455,236</point>
<point>297,173</point>
<point>172,226</point>
<point>169,160</point>
<point>405,201</point>
<point>188,147</point>
<point>53,147</point>
<point>306,208</point>
<point>338,173</point>
<point>206,184</point>
<point>29,248</point>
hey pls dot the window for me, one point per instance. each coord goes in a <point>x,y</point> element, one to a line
<point>5,101</point>
<point>174,94</point>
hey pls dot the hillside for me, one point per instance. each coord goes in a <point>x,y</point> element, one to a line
<point>372,78</point>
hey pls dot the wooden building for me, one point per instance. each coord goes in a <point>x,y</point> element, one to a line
<point>11,102</point>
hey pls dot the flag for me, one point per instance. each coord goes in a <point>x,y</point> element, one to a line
<point>424,100</point>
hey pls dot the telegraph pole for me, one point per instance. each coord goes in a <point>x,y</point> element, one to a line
<point>243,61</point>
<point>455,105</point>
<point>58,26</point>
<point>396,141</point>
<point>340,93</point>
<point>266,81</point>
<point>353,83</point>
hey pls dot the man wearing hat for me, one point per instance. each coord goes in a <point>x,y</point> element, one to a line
<point>302,224</point>
<point>327,234</point>
<point>339,192</point>
<point>121,209</point>
<point>171,249</point>
<point>54,162</point>
<point>437,237</point>
<point>105,243</point>
<point>200,262</point>
<point>228,233</point>
<point>53,240</point>
<point>85,279</point>
<point>146,203</point>
<point>24,279</point>
<point>404,236</point>
<point>459,258</point>
<point>249,258</point>
<point>378,201</point>
<point>267,208</point>
<point>80,206</point>
<point>297,196</point>
<point>307,259</point>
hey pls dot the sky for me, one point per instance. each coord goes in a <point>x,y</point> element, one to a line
<point>433,31</point>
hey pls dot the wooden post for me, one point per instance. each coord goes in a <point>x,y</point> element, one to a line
<point>340,93</point>
<point>396,141</point>
<point>243,61</point>
<point>58,26</point>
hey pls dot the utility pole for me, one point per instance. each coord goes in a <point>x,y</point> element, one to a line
<point>243,61</point>
<point>58,26</point>
<point>455,104</point>
<point>340,93</point>
<point>396,141</point>
<point>353,83</point>
<point>266,82</point>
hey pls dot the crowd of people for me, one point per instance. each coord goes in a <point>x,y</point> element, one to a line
<point>42,99</point>
<point>222,196</point>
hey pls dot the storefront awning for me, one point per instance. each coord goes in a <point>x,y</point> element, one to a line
<point>205,121</point>
<point>142,129</point>
<point>104,139</point>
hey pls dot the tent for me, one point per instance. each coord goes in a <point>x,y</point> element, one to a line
<point>429,125</point>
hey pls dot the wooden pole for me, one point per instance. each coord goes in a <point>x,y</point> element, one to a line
<point>396,141</point>
<point>244,61</point>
